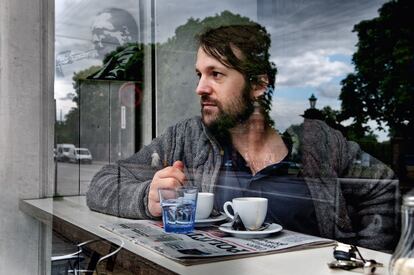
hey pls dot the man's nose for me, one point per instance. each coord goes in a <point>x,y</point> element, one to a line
<point>203,87</point>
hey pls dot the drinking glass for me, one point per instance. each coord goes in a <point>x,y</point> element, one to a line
<point>178,209</point>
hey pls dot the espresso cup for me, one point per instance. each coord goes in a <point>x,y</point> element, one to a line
<point>204,207</point>
<point>252,210</point>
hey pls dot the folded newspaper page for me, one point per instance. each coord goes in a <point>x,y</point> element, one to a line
<point>209,244</point>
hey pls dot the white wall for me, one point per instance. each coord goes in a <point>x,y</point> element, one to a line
<point>26,129</point>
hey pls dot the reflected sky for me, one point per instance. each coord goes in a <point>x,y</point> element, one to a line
<point>312,42</point>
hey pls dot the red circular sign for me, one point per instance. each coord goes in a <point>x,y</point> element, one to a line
<point>130,94</point>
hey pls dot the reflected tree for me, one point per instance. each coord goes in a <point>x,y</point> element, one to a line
<point>175,61</point>
<point>382,86</point>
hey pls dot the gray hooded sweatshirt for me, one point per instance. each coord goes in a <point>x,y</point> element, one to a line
<point>354,203</point>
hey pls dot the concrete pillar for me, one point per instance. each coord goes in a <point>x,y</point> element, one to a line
<point>26,130</point>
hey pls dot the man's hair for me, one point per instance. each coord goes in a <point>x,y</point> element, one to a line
<point>253,42</point>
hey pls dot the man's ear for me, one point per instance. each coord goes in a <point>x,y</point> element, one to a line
<point>260,87</point>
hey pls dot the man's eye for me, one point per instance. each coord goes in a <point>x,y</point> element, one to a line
<point>217,74</point>
<point>199,75</point>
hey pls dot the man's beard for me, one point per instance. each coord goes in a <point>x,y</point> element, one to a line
<point>237,112</point>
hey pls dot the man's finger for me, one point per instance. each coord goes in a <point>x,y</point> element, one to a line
<point>179,165</point>
<point>156,210</point>
<point>172,172</point>
<point>153,195</point>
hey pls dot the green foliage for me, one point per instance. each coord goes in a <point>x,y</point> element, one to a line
<point>65,133</point>
<point>331,116</point>
<point>125,63</point>
<point>382,87</point>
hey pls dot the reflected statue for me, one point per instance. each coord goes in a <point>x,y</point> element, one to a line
<point>112,28</point>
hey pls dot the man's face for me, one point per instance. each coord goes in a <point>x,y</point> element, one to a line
<point>222,90</point>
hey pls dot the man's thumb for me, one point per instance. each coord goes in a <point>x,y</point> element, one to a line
<point>179,165</point>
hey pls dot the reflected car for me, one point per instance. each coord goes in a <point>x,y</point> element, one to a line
<point>80,155</point>
<point>62,151</point>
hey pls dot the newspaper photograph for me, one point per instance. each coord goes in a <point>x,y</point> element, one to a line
<point>209,243</point>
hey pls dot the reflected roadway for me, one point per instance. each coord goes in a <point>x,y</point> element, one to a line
<point>74,179</point>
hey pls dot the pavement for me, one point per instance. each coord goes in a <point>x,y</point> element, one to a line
<point>74,179</point>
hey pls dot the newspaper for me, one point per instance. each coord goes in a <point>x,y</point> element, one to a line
<point>209,244</point>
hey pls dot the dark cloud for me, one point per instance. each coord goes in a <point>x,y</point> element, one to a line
<point>300,25</point>
<point>68,96</point>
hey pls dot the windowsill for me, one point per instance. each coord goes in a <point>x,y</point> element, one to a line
<point>73,212</point>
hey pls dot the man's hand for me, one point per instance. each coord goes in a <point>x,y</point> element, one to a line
<point>169,177</point>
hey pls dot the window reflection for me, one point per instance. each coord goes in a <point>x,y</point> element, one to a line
<point>105,67</point>
<point>99,86</point>
<point>112,28</point>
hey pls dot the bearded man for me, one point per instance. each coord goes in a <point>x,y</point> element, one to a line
<point>234,151</point>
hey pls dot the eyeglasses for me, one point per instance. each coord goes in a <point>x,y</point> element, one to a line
<point>348,257</point>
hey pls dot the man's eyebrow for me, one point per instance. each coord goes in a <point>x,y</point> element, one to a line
<point>211,68</point>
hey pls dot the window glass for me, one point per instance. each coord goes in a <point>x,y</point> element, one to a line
<point>128,72</point>
<point>97,109</point>
<point>99,86</point>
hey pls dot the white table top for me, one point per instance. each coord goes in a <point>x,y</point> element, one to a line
<point>310,261</point>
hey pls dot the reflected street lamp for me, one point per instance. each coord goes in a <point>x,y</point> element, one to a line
<point>312,101</point>
<point>312,112</point>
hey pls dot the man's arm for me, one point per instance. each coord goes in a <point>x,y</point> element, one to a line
<point>129,188</point>
<point>357,196</point>
<point>122,188</point>
<point>371,191</point>
<point>124,197</point>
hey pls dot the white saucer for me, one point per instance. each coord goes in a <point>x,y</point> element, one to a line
<point>210,221</point>
<point>273,228</point>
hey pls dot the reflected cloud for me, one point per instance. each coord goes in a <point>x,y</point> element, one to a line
<point>63,90</point>
<point>305,35</point>
<point>286,112</point>
<point>310,69</point>
<point>329,90</point>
